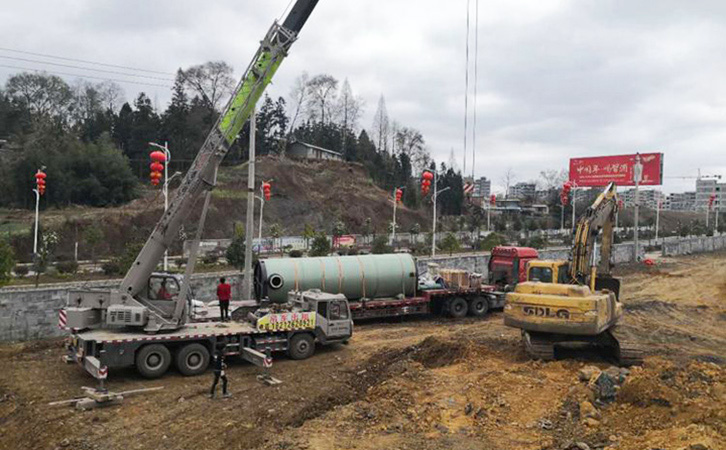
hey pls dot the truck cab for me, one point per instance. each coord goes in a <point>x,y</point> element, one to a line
<point>508,265</point>
<point>548,271</point>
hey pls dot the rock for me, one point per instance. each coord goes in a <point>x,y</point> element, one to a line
<point>590,422</point>
<point>181,399</point>
<point>546,424</point>
<point>604,387</point>
<point>698,447</point>
<point>65,443</point>
<point>617,374</point>
<point>587,372</point>
<point>468,409</point>
<point>441,428</point>
<point>480,413</point>
<point>588,410</point>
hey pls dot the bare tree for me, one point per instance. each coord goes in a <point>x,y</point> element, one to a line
<point>552,179</point>
<point>350,107</point>
<point>508,179</point>
<point>44,95</point>
<point>322,89</point>
<point>212,81</point>
<point>410,142</point>
<point>381,125</point>
<point>298,98</point>
<point>111,95</point>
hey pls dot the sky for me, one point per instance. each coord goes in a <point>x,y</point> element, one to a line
<point>556,78</point>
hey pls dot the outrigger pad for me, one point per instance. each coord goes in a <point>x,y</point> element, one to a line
<point>609,283</point>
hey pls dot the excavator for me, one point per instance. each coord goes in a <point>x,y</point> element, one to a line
<point>575,300</point>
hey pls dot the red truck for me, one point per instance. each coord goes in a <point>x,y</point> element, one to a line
<point>389,285</point>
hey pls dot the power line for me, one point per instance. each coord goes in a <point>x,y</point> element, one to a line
<point>87,76</point>
<point>86,61</point>
<point>476,80</point>
<point>84,68</point>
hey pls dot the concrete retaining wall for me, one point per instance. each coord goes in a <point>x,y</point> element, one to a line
<point>689,246</point>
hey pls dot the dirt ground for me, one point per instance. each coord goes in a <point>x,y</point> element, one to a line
<point>414,384</point>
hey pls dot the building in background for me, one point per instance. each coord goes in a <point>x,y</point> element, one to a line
<point>522,191</point>
<point>482,188</point>
<point>649,198</point>
<point>704,188</point>
<point>302,150</point>
<point>680,201</point>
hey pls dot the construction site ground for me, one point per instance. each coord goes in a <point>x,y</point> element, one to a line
<point>419,383</point>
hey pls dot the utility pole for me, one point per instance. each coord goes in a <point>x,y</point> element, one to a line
<point>637,175</point>
<point>35,239</point>
<point>574,208</point>
<point>489,217</point>
<point>433,199</point>
<point>657,220</point>
<point>249,226</point>
<point>261,198</point>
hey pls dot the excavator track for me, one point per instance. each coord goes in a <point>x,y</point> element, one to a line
<point>628,352</point>
<point>538,347</point>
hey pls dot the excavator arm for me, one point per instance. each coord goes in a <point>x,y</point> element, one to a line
<point>590,263</point>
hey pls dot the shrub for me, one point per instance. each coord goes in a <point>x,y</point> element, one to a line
<point>380,245</point>
<point>111,268</point>
<point>295,253</point>
<point>210,259</point>
<point>493,240</point>
<point>320,246</point>
<point>21,271</point>
<point>67,267</point>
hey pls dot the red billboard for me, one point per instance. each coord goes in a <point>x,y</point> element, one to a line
<point>601,170</point>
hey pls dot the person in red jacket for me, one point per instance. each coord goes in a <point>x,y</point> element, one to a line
<point>224,293</point>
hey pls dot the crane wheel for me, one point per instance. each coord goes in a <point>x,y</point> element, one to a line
<point>153,360</point>
<point>478,306</point>
<point>301,346</point>
<point>457,307</point>
<point>192,359</point>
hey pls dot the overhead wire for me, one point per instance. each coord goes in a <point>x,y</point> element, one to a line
<point>45,55</point>
<point>85,68</point>
<point>476,80</point>
<point>86,76</point>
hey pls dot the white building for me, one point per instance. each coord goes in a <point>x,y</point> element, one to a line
<point>303,150</point>
<point>522,191</point>
<point>707,186</point>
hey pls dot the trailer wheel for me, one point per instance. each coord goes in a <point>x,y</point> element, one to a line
<point>457,307</point>
<point>153,360</point>
<point>302,346</point>
<point>192,359</point>
<point>478,306</point>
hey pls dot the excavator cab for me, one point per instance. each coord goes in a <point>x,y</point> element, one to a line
<point>548,271</point>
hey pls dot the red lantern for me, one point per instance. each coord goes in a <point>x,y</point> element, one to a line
<point>428,175</point>
<point>40,182</point>
<point>155,181</point>
<point>399,194</point>
<point>711,199</point>
<point>155,175</point>
<point>266,190</point>
<point>156,167</point>
<point>158,156</point>
<point>493,200</point>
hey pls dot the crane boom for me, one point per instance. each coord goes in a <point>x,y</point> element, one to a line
<point>200,177</point>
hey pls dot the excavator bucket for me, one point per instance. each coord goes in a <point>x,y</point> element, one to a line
<point>609,283</point>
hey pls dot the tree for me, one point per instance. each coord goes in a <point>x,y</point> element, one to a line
<point>93,235</point>
<point>298,99</point>
<point>450,243</point>
<point>45,96</point>
<point>553,179</point>
<point>321,245</point>
<point>349,109</point>
<point>212,81</point>
<point>7,261</point>
<point>339,229</point>
<point>235,253</point>
<point>48,242</point>
<point>275,233</point>
<point>508,179</point>
<point>322,89</point>
<point>415,230</point>
<point>308,233</point>
<point>367,228</point>
<point>381,125</point>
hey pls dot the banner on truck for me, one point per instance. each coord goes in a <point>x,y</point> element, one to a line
<point>601,170</point>
<point>287,321</point>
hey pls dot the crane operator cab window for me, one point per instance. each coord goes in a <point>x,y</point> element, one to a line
<point>541,274</point>
<point>163,288</point>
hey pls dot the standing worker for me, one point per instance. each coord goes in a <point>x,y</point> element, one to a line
<point>219,366</point>
<point>224,293</point>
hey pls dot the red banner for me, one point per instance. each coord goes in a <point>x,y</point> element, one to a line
<point>601,170</point>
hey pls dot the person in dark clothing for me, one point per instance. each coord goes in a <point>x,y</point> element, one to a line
<point>219,366</point>
<point>224,293</point>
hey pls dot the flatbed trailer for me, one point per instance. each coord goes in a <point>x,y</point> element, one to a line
<point>444,302</point>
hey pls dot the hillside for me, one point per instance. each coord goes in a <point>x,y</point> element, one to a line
<point>318,193</point>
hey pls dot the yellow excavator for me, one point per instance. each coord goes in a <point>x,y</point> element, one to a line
<point>576,300</point>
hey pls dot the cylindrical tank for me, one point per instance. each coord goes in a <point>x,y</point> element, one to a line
<point>356,277</point>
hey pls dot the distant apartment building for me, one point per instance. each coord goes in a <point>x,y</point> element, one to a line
<point>522,191</point>
<point>680,201</point>
<point>482,187</point>
<point>649,198</point>
<point>704,188</point>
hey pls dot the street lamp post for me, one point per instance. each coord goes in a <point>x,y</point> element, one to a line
<point>262,208</point>
<point>637,175</point>
<point>657,220</point>
<point>37,205</point>
<point>433,199</point>
<point>574,207</point>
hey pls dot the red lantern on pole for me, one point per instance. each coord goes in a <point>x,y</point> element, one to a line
<point>40,181</point>
<point>266,190</point>
<point>399,194</point>
<point>426,179</point>
<point>493,200</point>
<point>156,166</point>
<point>711,199</point>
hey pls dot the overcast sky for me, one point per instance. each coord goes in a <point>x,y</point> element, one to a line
<point>556,78</point>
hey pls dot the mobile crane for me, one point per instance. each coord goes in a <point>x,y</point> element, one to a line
<point>114,328</point>
<point>576,300</point>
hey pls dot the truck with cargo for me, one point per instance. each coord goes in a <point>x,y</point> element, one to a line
<point>389,285</point>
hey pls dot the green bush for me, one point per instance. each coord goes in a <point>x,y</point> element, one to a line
<point>210,259</point>
<point>235,253</point>
<point>450,243</point>
<point>295,254</point>
<point>320,246</point>
<point>21,271</point>
<point>492,240</point>
<point>111,268</point>
<point>380,245</point>
<point>7,261</point>
<point>67,267</point>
